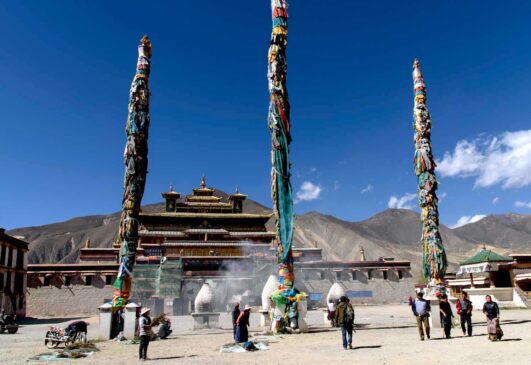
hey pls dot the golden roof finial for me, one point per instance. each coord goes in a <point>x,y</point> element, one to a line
<point>171,187</point>
<point>87,243</point>
<point>203,181</point>
<point>237,189</point>
<point>362,254</point>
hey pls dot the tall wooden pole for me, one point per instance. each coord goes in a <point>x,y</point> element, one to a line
<point>434,256</point>
<point>279,125</point>
<point>136,161</point>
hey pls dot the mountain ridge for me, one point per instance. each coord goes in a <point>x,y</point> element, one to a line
<point>390,233</point>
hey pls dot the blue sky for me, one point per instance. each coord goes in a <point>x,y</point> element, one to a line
<point>67,67</point>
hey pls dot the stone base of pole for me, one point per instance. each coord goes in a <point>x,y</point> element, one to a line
<point>265,319</point>
<point>105,325</point>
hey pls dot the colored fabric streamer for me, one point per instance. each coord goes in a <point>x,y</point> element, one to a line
<point>434,256</point>
<point>279,125</point>
<point>135,160</point>
<point>285,299</point>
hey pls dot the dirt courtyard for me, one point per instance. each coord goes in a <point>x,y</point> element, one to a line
<point>384,335</point>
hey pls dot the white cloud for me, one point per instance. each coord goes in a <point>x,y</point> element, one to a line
<point>313,169</point>
<point>467,219</point>
<point>367,189</point>
<point>495,200</point>
<point>337,185</point>
<point>402,202</point>
<point>442,196</point>
<point>521,204</point>
<point>505,160</point>
<point>308,192</point>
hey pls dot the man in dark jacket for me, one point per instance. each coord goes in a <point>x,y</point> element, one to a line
<point>235,315</point>
<point>445,311</point>
<point>421,309</point>
<point>345,319</point>
<point>464,309</point>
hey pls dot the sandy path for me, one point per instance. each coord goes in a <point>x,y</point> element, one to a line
<point>386,335</point>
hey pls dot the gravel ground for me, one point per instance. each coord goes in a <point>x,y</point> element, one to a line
<point>385,335</point>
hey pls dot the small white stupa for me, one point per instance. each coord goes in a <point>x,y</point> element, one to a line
<point>204,304</point>
<point>270,286</point>
<point>336,291</point>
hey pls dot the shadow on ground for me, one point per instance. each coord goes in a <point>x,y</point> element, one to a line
<point>171,357</point>
<point>31,321</point>
<point>367,347</point>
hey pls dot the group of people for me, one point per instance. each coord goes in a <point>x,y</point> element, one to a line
<point>421,309</point>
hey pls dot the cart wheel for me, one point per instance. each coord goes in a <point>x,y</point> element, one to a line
<point>12,330</point>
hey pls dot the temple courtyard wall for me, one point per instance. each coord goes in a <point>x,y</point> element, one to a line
<point>362,287</point>
<point>51,301</point>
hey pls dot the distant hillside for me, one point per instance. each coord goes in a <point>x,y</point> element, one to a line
<point>391,233</point>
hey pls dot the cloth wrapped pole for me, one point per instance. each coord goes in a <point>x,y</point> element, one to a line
<point>136,161</point>
<point>279,125</point>
<point>434,256</point>
<point>286,298</point>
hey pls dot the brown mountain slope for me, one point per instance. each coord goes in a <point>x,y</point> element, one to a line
<point>61,242</point>
<point>511,232</point>
<point>391,233</point>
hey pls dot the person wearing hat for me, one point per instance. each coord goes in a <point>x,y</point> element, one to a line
<point>144,329</point>
<point>242,333</point>
<point>421,309</point>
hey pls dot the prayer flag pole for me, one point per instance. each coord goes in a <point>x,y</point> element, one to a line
<point>434,256</point>
<point>136,161</point>
<point>279,125</point>
<point>290,307</point>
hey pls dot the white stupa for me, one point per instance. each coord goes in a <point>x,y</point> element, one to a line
<point>336,291</point>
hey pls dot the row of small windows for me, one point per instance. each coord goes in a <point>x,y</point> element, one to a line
<point>356,275</point>
<point>67,280</point>
<point>7,252</point>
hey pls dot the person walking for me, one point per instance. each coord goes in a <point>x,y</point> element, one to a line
<point>492,312</point>
<point>144,328</point>
<point>421,309</point>
<point>344,318</point>
<point>242,333</point>
<point>464,309</point>
<point>332,312</point>
<point>445,310</point>
<point>235,314</point>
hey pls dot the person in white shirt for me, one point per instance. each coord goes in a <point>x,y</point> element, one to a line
<point>421,309</point>
<point>144,329</point>
<point>332,312</point>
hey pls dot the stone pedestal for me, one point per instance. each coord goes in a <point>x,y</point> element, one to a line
<point>265,319</point>
<point>205,320</point>
<point>130,320</point>
<point>302,308</point>
<point>105,327</point>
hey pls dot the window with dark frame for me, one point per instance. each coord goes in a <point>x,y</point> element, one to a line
<point>400,275</point>
<point>109,279</point>
<point>385,275</point>
<point>68,280</point>
<point>354,275</point>
<point>369,274</point>
<point>88,280</point>
<point>3,255</point>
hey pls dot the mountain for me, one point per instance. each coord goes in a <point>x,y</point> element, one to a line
<point>391,233</point>
<point>61,242</point>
